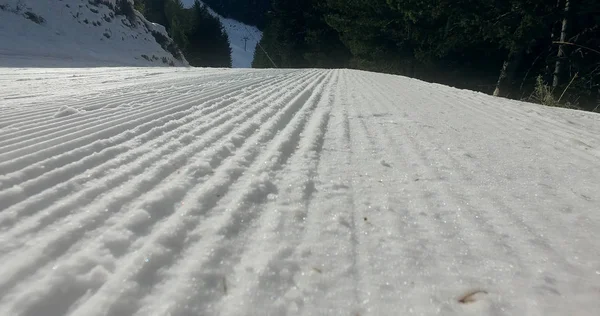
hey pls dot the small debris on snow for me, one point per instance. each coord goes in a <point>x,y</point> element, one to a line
<point>471,296</point>
<point>384,163</point>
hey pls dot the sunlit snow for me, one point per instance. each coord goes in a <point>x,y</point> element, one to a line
<point>182,191</point>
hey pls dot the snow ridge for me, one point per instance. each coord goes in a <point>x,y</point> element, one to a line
<point>182,191</point>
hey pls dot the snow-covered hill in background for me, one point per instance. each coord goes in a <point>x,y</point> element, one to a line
<point>240,35</point>
<point>78,33</point>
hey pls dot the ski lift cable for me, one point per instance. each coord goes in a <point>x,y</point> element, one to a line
<point>258,43</point>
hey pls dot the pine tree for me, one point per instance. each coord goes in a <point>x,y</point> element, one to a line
<point>298,36</point>
<point>252,12</point>
<point>198,34</point>
<point>209,44</point>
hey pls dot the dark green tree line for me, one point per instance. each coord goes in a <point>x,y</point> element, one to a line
<point>200,36</point>
<point>251,12</point>
<point>524,49</point>
<point>298,36</point>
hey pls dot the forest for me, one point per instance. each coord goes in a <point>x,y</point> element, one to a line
<point>251,12</point>
<point>541,51</point>
<point>198,35</point>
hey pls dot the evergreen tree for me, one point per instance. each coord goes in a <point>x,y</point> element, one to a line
<point>503,47</point>
<point>251,12</point>
<point>297,37</point>
<point>199,35</point>
<point>154,10</point>
<point>209,44</point>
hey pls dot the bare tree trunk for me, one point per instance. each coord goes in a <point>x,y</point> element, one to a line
<point>558,69</point>
<point>507,73</point>
<point>447,30</point>
<point>501,78</point>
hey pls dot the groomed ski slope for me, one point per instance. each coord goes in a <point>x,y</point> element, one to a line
<point>152,191</point>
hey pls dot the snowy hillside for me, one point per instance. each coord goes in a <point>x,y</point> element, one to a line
<point>290,192</point>
<point>243,38</point>
<point>79,33</point>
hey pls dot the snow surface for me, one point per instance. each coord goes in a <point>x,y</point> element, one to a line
<point>243,38</point>
<point>76,33</point>
<point>180,191</point>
